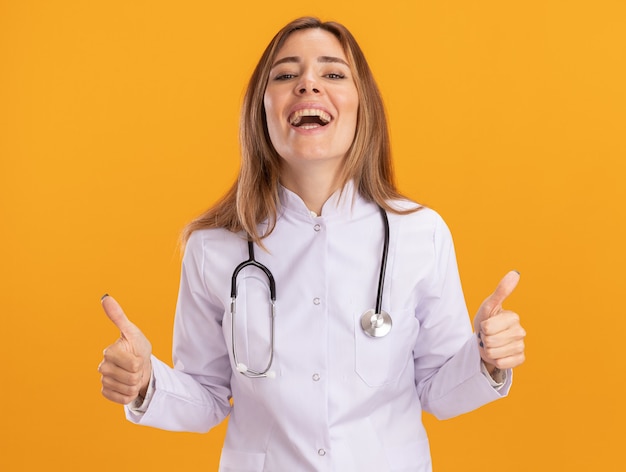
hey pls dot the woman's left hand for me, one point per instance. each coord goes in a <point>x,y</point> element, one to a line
<point>500,334</point>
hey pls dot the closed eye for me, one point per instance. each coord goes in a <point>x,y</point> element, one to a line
<point>284,76</point>
<point>335,76</point>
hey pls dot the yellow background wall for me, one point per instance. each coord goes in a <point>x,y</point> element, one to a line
<point>118,124</point>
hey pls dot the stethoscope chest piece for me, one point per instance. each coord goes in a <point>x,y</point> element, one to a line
<point>375,324</point>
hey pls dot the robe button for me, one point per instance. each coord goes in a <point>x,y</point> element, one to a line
<point>321,452</point>
<point>316,377</point>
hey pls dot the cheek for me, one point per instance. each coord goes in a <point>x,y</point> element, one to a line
<point>268,107</point>
<point>271,106</point>
<point>273,128</point>
<point>352,107</point>
<point>273,122</point>
<point>352,104</point>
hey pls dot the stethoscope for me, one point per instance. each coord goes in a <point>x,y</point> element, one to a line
<point>375,322</point>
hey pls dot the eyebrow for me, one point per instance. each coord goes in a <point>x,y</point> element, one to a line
<point>297,59</point>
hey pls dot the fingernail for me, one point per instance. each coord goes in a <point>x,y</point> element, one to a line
<point>481,344</point>
<point>517,271</point>
<point>103,297</point>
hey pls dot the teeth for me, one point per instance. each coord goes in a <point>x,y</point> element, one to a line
<point>296,117</point>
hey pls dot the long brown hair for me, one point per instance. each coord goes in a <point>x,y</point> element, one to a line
<point>253,198</point>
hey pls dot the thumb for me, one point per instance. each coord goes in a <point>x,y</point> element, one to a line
<point>493,303</point>
<point>115,313</point>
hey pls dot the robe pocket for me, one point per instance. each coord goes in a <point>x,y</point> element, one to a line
<point>232,460</point>
<point>380,361</point>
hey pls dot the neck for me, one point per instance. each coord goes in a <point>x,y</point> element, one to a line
<point>313,185</point>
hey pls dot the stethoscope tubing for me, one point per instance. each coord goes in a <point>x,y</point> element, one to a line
<point>251,261</point>
<point>375,323</point>
<point>383,262</point>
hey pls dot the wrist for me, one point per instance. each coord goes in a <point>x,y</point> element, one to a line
<point>491,368</point>
<point>145,378</point>
<point>494,372</point>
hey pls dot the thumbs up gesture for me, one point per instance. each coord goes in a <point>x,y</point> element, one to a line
<point>500,334</point>
<point>126,367</point>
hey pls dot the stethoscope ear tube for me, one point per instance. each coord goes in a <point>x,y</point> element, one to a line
<point>254,263</point>
<point>240,366</point>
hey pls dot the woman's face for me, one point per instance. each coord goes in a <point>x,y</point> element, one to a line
<point>311,101</point>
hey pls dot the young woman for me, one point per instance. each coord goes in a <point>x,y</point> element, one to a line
<point>347,318</point>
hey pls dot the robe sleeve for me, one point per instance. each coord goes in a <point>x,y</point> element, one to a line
<point>195,394</point>
<point>448,373</point>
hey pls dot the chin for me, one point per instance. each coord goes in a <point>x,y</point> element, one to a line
<point>311,157</point>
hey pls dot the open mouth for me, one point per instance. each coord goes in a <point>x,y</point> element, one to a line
<point>309,118</point>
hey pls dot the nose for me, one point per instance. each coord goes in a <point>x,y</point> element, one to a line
<point>308,88</point>
<point>307,84</point>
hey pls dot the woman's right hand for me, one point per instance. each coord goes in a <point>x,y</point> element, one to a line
<point>126,367</point>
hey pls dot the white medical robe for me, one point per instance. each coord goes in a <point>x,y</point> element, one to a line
<point>341,401</point>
